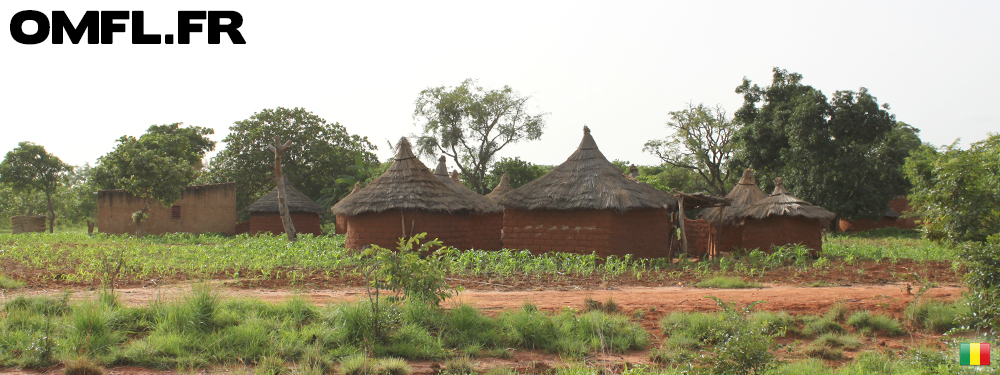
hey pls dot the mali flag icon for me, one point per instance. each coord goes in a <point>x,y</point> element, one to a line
<point>974,354</point>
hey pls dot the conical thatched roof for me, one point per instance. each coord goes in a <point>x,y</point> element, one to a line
<point>745,193</point>
<point>587,180</point>
<point>455,176</point>
<point>503,187</point>
<point>297,202</point>
<point>481,203</point>
<point>406,185</point>
<point>783,203</point>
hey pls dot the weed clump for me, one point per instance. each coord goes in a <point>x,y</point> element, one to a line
<point>866,322</point>
<point>726,282</point>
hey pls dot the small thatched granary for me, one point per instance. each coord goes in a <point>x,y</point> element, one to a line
<point>408,199</point>
<point>727,228</point>
<point>484,228</point>
<point>586,205</point>
<point>264,216</point>
<point>503,187</point>
<point>782,219</point>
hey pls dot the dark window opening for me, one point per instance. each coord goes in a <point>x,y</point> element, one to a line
<point>175,212</point>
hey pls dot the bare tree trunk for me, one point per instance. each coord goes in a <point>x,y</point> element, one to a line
<point>680,220</point>
<point>286,220</point>
<point>52,212</point>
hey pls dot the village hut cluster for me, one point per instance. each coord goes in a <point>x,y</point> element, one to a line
<point>584,205</point>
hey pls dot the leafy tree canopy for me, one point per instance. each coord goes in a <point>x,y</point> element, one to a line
<point>518,171</point>
<point>701,142</point>
<point>29,168</point>
<point>320,154</point>
<point>956,192</point>
<point>470,125</point>
<point>844,153</point>
<point>157,165</point>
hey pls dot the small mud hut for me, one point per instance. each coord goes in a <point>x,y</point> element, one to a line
<point>408,199</point>
<point>264,216</point>
<point>727,230</point>
<point>782,219</point>
<point>503,187</point>
<point>484,229</point>
<point>341,222</point>
<point>27,224</point>
<point>587,205</point>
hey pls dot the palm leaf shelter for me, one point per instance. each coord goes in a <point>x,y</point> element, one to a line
<point>408,199</point>
<point>586,205</point>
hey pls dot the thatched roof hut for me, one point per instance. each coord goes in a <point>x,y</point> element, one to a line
<point>408,199</point>
<point>745,192</point>
<point>503,187</point>
<point>586,205</point>
<point>783,203</point>
<point>587,180</point>
<point>297,202</point>
<point>407,185</point>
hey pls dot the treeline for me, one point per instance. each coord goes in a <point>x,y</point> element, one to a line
<point>846,153</point>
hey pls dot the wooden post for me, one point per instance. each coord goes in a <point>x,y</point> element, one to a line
<point>680,219</point>
<point>286,220</point>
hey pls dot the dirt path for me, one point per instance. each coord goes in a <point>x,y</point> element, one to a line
<point>890,298</point>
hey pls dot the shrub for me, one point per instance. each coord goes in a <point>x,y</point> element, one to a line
<point>459,366</point>
<point>744,345</point>
<point>82,366</point>
<point>983,280</point>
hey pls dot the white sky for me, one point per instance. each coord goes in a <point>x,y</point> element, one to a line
<point>618,67</point>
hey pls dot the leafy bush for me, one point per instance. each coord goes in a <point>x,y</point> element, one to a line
<point>983,280</point>
<point>936,316</point>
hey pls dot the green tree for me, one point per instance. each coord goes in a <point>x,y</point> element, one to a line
<point>701,142</point>
<point>668,178</point>
<point>518,171</point>
<point>470,125</point>
<point>156,166</point>
<point>844,153</point>
<point>956,193</point>
<point>322,153</point>
<point>28,167</point>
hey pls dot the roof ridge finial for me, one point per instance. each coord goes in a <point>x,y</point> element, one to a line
<point>779,186</point>
<point>748,177</point>
<point>404,150</point>
<point>586,130</point>
<point>442,167</point>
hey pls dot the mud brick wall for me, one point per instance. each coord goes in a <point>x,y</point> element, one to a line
<point>730,238</point>
<point>899,204</point>
<point>270,222</point>
<point>570,231</point>
<point>201,209</point>
<point>28,224</point>
<point>642,233</point>
<point>386,228</point>
<point>698,236</point>
<point>341,225</point>
<point>484,231</point>
<point>782,230</point>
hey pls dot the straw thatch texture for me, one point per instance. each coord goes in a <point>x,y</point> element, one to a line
<point>27,224</point>
<point>503,187</point>
<point>745,193</point>
<point>406,185</point>
<point>783,203</point>
<point>481,204</point>
<point>297,202</point>
<point>587,180</point>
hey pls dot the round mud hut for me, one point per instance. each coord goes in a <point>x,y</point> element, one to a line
<point>264,216</point>
<point>408,199</point>
<point>587,205</point>
<point>782,219</point>
<point>484,229</point>
<point>503,187</point>
<point>727,229</point>
<point>340,222</point>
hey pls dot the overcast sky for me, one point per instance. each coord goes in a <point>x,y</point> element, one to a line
<point>618,67</point>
